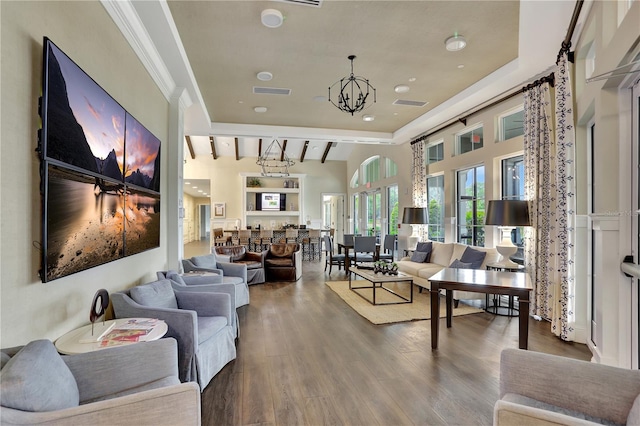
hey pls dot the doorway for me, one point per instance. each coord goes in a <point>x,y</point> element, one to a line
<point>205,221</point>
<point>333,213</point>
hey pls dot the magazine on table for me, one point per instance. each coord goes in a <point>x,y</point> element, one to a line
<point>133,330</point>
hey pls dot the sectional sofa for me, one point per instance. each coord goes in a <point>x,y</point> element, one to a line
<point>443,255</point>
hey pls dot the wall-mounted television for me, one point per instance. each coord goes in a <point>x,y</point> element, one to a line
<point>271,201</point>
<point>100,173</point>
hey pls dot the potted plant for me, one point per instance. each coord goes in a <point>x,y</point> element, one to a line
<point>253,182</point>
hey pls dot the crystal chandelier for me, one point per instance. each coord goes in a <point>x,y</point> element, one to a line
<point>351,98</point>
<point>274,161</point>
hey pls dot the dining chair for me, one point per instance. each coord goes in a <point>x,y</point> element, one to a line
<point>331,258</point>
<point>364,249</point>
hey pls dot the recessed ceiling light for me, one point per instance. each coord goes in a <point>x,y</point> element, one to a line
<point>271,18</point>
<point>368,118</point>
<point>200,190</point>
<point>455,43</point>
<point>395,113</point>
<point>260,109</point>
<point>194,187</point>
<point>240,102</point>
<point>460,66</point>
<point>401,88</point>
<point>187,183</point>
<point>264,76</point>
<point>412,79</point>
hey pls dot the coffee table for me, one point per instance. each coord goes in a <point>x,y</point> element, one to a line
<point>377,282</point>
<point>480,281</point>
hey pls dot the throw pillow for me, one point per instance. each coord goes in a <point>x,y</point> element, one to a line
<point>36,379</point>
<point>175,277</point>
<point>158,294</point>
<point>458,264</point>
<point>419,256</point>
<point>474,257</point>
<point>426,248</point>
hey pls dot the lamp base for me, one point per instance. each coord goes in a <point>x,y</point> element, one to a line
<point>506,249</point>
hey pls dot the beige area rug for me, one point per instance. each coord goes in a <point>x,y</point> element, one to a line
<point>420,309</point>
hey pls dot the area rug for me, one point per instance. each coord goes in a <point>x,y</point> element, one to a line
<point>420,309</point>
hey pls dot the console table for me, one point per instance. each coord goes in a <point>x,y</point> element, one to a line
<point>480,281</point>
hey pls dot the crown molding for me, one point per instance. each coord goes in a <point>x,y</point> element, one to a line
<point>127,20</point>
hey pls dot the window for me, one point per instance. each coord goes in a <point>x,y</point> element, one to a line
<point>354,180</point>
<point>470,206</point>
<point>511,124</point>
<point>371,169</point>
<point>390,168</point>
<point>435,198</point>
<point>326,205</point>
<point>392,209</point>
<point>435,152</point>
<point>470,140</point>
<point>372,202</point>
<point>590,61</point>
<point>356,213</point>
<point>513,189</point>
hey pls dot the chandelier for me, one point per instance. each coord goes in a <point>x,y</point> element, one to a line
<point>274,161</point>
<point>351,98</point>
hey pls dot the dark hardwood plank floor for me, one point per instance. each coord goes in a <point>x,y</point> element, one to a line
<point>306,358</point>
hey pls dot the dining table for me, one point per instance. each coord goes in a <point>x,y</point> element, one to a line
<point>348,248</point>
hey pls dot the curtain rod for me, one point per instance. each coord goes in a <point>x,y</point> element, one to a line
<point>566,43</point>
<point>463,118</point>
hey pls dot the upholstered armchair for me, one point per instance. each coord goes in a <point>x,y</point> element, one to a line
<point>543,389</point>
<point>201,323</point>
<point>283,262</point>
<point>231,273</point>
<point>133,384</point>
<point>239,254</point>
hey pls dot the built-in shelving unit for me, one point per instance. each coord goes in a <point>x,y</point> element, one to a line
<point>291,186</point>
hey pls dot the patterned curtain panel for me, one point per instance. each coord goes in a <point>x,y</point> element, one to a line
<point>550,189</point>
<point>563,319</point>
<point>419,180</point>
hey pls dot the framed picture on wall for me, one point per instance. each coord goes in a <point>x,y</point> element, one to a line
<point>219,210</point>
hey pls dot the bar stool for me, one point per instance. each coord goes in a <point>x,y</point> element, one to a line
<point>244,238</point>
<point>291,235</point>
<point>312,244</point>
<point>265,240</point>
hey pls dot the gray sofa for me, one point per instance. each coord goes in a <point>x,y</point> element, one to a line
<point>442,255</point>
<point>202,324</point>
<point>134,384</point>
<point>543,389</point>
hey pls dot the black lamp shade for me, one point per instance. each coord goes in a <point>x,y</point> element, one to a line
<point>507,213</point>
<point>415,215</point>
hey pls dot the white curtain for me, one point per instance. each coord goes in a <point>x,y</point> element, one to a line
<point>550,189</point>
<point>419,180</point>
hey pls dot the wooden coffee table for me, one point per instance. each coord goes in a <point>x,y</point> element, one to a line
<point>480,281</point>
<point>377,282</point>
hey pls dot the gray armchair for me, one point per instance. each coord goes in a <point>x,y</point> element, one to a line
<point>133,384</point>
<point>201,283</point>
<point>537,388</point>
<point>201,323</point>
<point>231,273</point>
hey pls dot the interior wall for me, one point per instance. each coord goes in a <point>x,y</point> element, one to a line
<point>84,31</point>
<point>226,183</point>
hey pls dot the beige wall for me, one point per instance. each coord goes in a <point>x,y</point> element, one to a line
<point>226,182</point>
<point>85,32</point>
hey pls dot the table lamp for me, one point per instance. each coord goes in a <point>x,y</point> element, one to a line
<point>415,216</point>
<point>507,215</point>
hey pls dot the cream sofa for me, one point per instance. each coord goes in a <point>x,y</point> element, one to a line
<point>442,255</point>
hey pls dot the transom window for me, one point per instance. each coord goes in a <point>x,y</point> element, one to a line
<point>469,140</point>
<point>371,169</point>
<point>354,179</point>
<point>511,124</point>
<point>434,152</point>
<point>390,168</point>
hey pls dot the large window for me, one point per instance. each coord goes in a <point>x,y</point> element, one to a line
<point>435,197</point>
<point>470,202</point>
<point>434,152</point>
<point>371,170</point>
<point>513,189</point>
<point>356,213</point>
<point>373,213</point>
<point>511,124</point>
<point>469,140</point>
<point>392,209</point>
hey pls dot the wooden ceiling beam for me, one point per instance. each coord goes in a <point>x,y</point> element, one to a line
<point>213,148</point>
<point>304,151</point>
<point>284,148</point>
<point>237,150</point>
<point>190,146</point>
<point>326,151</point>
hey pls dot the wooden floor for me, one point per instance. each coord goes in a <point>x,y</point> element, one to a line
<point>306,358</point>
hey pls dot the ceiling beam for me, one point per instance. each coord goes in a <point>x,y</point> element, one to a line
<point>284,147</point>
<point>213,148</point>
<point>190,146</point>
<point>260,147</point>
<point>326,151</point>
<point>237,150</point>
<point>304,151</point>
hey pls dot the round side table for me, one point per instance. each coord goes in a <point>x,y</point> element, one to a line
<point>511,309</point>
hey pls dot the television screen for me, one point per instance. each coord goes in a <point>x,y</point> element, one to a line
<point>100,172</point>
<point>270,201</point>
